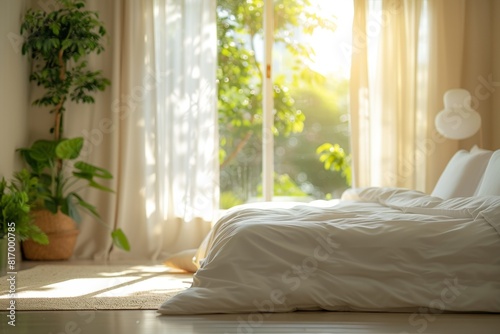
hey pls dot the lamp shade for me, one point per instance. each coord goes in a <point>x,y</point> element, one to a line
<point>457,120</point>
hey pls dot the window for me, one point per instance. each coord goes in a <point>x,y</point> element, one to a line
<point>310,75</point>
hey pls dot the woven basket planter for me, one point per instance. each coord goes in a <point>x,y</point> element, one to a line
<point>62,233</point>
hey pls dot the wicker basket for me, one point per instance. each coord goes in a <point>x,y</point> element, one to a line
<point>62,233</point>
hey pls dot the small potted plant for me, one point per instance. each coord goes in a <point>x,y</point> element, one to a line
<point>58,43</point>
<point>56,201</point>
<point>16,223</point>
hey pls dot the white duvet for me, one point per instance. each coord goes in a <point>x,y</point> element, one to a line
<point>390,250</point>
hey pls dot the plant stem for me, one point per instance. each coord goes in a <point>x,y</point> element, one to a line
<point>80,188</point>
<point>53,177</point>
<point>71,184</point>
<point>58,109</point>
<point>237,150</point>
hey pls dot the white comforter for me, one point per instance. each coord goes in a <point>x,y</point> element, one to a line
<point>391,250</point>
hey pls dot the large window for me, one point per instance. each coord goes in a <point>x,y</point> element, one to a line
<point>310,76</point>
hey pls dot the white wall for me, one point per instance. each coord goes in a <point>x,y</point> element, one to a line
<point>14,87</point>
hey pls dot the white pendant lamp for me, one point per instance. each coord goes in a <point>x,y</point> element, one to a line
<point>458,120</point>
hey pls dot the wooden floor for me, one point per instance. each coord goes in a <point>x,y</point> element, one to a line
<point>124,322</point>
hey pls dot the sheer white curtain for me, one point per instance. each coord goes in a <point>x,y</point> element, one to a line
<point>161,118</point>
<point>405,56</point>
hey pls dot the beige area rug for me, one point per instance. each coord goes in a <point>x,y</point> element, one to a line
<point>93,287</point>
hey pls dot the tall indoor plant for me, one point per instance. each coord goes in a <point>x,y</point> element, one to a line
<point>58,43</point>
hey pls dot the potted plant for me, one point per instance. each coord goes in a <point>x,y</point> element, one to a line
<point>58,43</point>
<point>16,223</point>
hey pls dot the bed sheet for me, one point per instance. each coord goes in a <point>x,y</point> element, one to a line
<point>389,250</point>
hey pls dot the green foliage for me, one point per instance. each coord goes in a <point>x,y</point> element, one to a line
<point>326,109</point>
<point>120,239</point>
<point>58,43</point>
<point>284,186</point>
<point>57,190</point>
<point>15,209</point>
<point>228,199</point>
<point>239,74</point>
<point>240,78</point>
<point>335,159</point>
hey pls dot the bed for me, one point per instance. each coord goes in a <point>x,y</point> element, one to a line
<point>377,249</point>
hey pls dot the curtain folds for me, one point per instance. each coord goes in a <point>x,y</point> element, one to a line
<point>401,68</point>
<point>161,128</point>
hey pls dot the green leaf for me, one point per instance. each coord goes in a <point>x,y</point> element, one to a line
<point>324,147</point>
<point>69,148</point>
<point>55,28</point>
<point>72,209</point>
<point>51,205</point>
<point>83,175</point>
<point>32,163</point>
<point>80,4</point>
<point>43,150</point>
<point>66,44</point>
<point>96,185</point>
<point>89,207</point>
<point>91,170</point>
<point>39,236</point>
<point>120,240</point>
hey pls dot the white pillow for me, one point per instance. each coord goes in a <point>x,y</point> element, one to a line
<point>490,184</point>
<point>477,149</point>
<point>462,175</point>
<point>183,260</point>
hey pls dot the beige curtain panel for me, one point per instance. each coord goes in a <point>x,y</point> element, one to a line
<point>404,58</point>
<point>155,128</point>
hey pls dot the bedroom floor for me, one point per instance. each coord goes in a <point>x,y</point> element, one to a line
<point>148,321</point>
<point>125,322</point>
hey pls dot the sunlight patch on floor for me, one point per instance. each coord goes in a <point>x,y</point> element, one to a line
<point>158,285</point>
<point>74,287</point>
